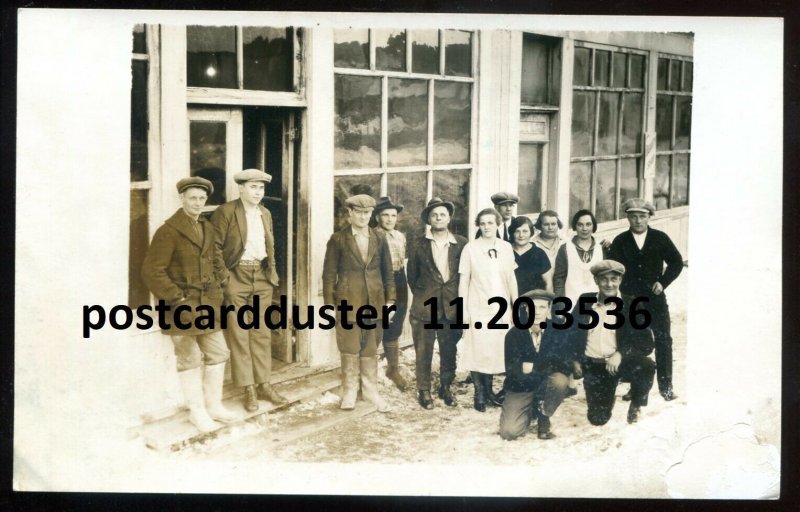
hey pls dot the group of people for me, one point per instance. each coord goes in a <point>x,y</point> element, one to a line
<point>369,262</point>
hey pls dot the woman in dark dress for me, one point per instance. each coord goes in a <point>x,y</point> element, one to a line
<point>531,261</point>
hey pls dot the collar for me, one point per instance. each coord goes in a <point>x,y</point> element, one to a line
<point>450,238</point>
<point>200,218</point>
<point>574,242</point>
<point>641,235</point>
<point>603,305</point>
<point>358,232</point>
<point>250,211</point>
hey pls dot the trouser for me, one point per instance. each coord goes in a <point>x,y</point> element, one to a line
<point>357,341</point>
<point>396,325</point>
<point>519,408</point>
<point>251,349</point>
<point>661,325</point>
<point>192,350</point>
<point>423,347</point>
<point>600,385</point>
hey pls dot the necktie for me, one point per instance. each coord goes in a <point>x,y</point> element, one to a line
<point>505,232</point>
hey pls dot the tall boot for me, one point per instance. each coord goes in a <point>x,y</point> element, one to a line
<point>392,351</point>
<point>369,383</point>
<point>480,392</point>
<point>192,384</point>
<point>212,389</point>
<point>349,381</point>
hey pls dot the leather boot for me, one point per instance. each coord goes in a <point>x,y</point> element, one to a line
<point>212,389</point>
<point>192,385</point>
<point>267,392</point>
<point>634,411</point>
<point>369,384</point>
<point>392,351</point>
<point>425,399</point>
<point>447,395</point>
<point>250,398</point>
<point>494,399</point>
<point>350,372</point>
<point>480,393</point>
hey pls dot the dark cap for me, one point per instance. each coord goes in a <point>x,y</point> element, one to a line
<point>251,175</point>
<point>385,203</point>
<point>540,294</point>
<point>606,266</point>
<point>433,203</point>
<point>195,181</point>
<point>504,197</point>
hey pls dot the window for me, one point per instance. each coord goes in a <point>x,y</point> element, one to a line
<point>673,132</point>
<point>403,119</point>
<point>607,125</point>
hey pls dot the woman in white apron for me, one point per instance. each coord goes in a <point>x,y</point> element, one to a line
<point>574,259</point>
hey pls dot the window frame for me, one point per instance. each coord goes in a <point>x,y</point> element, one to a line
<point>674,95</point>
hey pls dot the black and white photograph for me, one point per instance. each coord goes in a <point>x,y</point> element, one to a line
<point>398,254</point>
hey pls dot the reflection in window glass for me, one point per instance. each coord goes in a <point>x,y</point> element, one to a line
<point>631,141</point>
<point>390,49</point>
<point>663,66</point>
<point>351,48</point>
<point>606,190</point>
<point>453,186</point>
<point>139,39</point>
<point>211,57</point>
<point>580,183</point>
<point>607,126</point>
<point>675,75</point>
<point>601,61</point>
<point>683,123</point>
<point>357,122</point>
<point>535,67</point>
<point>425,51</point>
<point>410,190</point>
<point>582,123</point>
<point>451,126</point>
<point>629,180</point>
<point>408,122</point>
<point>139,121</point>
<point>688,69</point>
<point>581,69</point>
<point>207,156</point>
<point>618,68</point>
<point>458,53</point>
<point>680,180</point>
<point>529,185</point>
<point>637,70</point>
<point>267,58</point>
<point>661,183</point>
<point>346,186</point>
<point>139,239</point>
<point>664,122</point>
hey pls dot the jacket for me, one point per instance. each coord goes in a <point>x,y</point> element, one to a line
<point>426,281</point>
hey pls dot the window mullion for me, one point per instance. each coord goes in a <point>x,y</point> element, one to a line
<point>384,123</point>
<point>431,89</point>
<point>441,52</point>
<point>239,57</point>
<point>408,50</point>
<point>371,50</point>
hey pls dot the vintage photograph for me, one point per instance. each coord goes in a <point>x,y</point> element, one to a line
<point>505,211</point>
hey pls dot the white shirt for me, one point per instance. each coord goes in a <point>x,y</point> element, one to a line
<point>441,251</point>
<point>601,343</point>
<point>639,238</point>
<point>254,246</point>
<point>362,241</point>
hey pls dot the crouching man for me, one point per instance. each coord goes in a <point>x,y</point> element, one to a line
<point>536,371</point>
<point>182,268</point>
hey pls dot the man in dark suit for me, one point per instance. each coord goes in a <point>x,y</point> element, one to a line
<point>244,238</point>
<point>609,355</point>
<point>505,203</point>
<point>643,251</point>
<point>358,270</point>
<point>433,273</point>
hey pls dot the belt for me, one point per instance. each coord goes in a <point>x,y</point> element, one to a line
<point>596,360</point>
<point>249,263</point>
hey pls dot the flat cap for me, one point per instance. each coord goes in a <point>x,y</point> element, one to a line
<point>540,294</point>
<point>251,175</point>
<point>637,204</point>
<point>385,203</point>
<point>606,266</point>
<point>195,181</point>
<point>360,201</point>
<point>504,197</point>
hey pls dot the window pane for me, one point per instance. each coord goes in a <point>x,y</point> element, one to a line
<point>425,51</point>
<point>661,183</point>
<point>351,48</point>
<point>631,123</point>
<point>139,39</point>
<point>688,70</point>
<point>663,66</point>
<point>268,58</point>
<point>138,293</point>
<point>458,53</point>
<point>357,120</point>
<point>582,123</point>
<point>139,121</point>
<point>664,122</point>
<point>683,123</point>
<point>680,180</point>
<point>211,57</point>
<point>408,122</point>
<point>629,181</point>
<point>451,123</point>
<point>390,49</point>
<point>607,126</point>
<point>453,186</point>
<point>601,61</point>
<point>580,183</point>
<point>411,190</point>
<point>619,66</point>
<point>606,190</point>
<point>535,55</point>
<point>675,75</point>
<point>637,70</point>
<point>529,185</point>
<point>581,70</point>
<point>207,152</point>
<point>346,186</point>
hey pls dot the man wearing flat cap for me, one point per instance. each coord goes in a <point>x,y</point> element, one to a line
<point>433,260</point>
<point>644,251</point>
<point>537,366</point>
<point>183,269</point>
<point>358,269</point>
<point>244,238</point>
<point>609,355</point>
<point>505,203</point>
